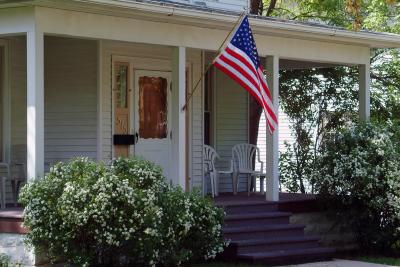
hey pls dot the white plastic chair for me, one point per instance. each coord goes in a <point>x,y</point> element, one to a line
<point>209,157</point>
<point>242,163</point>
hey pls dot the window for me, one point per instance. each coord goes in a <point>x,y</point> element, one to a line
<point>208,107</point>
<point>122,85</point>
<point>153,103</point>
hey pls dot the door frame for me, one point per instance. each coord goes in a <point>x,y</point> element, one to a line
<point>135,63</point>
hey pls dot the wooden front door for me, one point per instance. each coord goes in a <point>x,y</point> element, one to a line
<point>121,98</point>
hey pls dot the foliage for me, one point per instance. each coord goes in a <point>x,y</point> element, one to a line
<point>375,15</point>
<point>91,214</point>
<point>387,261</point>
<point>316,101</point>
<point>5,261</point>
<point>358,176</point>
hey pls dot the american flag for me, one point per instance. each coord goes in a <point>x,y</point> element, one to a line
<point>239,60</point>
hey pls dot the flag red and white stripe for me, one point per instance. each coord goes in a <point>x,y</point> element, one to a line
<point>239,60</point>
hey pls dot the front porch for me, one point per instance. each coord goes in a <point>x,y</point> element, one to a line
<point>59,78</point>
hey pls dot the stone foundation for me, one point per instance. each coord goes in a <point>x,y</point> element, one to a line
<point>12,245</point>
<point>332,233</point>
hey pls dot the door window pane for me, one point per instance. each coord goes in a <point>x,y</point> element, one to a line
<point>153,93</point>
<point>122,86</point>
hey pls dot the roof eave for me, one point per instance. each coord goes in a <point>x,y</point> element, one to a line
<point>173,14</point>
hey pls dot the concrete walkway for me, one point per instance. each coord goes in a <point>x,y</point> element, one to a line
<point>338,263</point>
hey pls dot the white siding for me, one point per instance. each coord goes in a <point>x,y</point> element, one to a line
<point>285,135</point>
<point>196,125</point>
<point>231,124</point>
<point>18,91</point>
<point>17,81</point>
<point>70,99</point>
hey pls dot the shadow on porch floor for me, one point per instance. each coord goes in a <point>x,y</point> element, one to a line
<point>292,202</point>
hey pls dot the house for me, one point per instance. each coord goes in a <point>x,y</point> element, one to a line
<point>109,78</point>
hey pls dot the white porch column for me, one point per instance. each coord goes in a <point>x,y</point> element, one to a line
<point>364,92</point>
<point>178,116</point>
<point>35,104</point>
<point>272,171</point>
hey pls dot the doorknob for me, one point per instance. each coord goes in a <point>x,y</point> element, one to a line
<point>136,137</point>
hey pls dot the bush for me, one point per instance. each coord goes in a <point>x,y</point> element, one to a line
<point>125,214</point>
<point>358,175</point>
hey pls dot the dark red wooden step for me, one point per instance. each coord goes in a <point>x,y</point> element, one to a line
<point>259,218</point>
<point>262,231</point>
<point>275,243</point>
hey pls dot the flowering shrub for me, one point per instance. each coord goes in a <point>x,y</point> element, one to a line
<point>358,173</point>
<point>125,214</point>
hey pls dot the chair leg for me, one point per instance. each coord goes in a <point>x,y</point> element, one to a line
<point>248,184</point>
<point>262,184</point>
<point>234,183</point>
<point>216,185</point>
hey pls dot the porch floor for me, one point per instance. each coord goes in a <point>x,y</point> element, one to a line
<point>222,200</point>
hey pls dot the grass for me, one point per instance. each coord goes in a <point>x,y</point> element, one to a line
<point>381,260</point>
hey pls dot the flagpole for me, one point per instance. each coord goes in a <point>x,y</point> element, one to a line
<point>203,73</point>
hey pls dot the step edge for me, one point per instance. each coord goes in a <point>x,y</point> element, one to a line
<point>281,240</point>
<point>269,227</point>
<point>286,253</point>
<point>256,215</point>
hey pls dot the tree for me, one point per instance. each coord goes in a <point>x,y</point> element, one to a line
<point>375,15</point>
<point>316,101</point>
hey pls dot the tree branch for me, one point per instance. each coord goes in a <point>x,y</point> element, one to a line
<point>271,7</point>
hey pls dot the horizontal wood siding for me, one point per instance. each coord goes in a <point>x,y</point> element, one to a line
<point>285,134</point>
<point>70,99</point>
<point>231,125</point>
<point>196,115</point>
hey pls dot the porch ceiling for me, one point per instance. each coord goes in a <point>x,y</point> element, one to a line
<point>215,19</point>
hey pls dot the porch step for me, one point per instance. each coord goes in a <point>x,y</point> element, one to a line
<point>261,234</point>
<point>259,218</point>
<point>275,243</point>
<point>257,232</point>
<point>253,207</point>
<point>292,256</point>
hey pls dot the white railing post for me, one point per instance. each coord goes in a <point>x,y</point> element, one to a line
<point>364,92</point>
<point>35,103</point>
<point>178,116</point>
<point>272,161</point>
